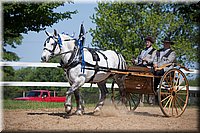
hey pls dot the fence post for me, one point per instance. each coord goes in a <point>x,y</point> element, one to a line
<point>23,94</point>
<point>142,101</point>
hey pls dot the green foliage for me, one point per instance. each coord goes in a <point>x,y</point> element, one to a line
<point>20,18</point>
<point>190,11</point>
<point>8,73</point>
<point>123,26</point>
<point>194,82</point>
<point>90,95</point>
<point>30,74</point>
<point>11,56</point>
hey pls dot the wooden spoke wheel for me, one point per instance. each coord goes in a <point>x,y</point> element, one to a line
<point>173,93</point>
<point>133,100</point>
<point>118,100</point>
<point>130,102</point>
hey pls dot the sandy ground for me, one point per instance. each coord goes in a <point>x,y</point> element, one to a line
<point>110,119</point>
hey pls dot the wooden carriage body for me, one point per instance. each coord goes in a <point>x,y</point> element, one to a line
<point>141,81</point>
<point>172,90</point>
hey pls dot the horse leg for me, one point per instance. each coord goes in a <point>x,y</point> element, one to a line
<point>68,104</point>
<point>119,79</point>
<point>68,101</point>
<point>75,86</point>
<point>79,103</point>
<point>102,96</point>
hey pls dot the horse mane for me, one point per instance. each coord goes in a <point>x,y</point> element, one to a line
<point>66,36</point>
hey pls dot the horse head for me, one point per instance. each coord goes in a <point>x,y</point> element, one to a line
<point>56,44</point>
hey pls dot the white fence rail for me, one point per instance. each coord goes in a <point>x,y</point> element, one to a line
<point>29,64</point>
<point>66,84</point>
<point>53,84</point>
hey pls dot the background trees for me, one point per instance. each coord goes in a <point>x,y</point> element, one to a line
<point>123,26</point>
<point>20,18</point>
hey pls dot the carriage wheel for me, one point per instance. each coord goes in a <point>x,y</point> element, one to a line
<point>173,93</point>
<point>133,100</point>
<point>117,100</point>
<point>130,102</point>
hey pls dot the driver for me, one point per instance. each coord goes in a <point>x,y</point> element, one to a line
<point>146,56</point>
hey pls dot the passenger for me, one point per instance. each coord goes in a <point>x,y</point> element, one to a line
<point>146,56</point>
<point>164,56</point>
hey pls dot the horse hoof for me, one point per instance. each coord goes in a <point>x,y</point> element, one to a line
<point>68,109</point>
<point>97,111</point>
<point>79,112</point>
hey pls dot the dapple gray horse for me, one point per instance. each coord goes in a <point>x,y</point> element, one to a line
<point>71,60</point>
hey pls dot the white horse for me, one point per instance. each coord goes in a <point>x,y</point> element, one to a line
<point>71,60</point>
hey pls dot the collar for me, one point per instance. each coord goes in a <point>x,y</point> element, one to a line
<point>149,48</point>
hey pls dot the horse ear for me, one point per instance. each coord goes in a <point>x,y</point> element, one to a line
<point>47,33</point>
<point>55,33</point>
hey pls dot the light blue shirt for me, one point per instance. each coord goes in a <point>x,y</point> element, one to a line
<point>145,55</point>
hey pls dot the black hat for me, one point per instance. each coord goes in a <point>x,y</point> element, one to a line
<point>168,40</point>
<point>149,38</point>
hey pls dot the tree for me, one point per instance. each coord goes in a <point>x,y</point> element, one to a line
<point>20,18</point>
<point>191,14</point>
<point>123,26</point>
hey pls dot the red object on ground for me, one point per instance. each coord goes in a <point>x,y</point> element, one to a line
<point>42,96</point>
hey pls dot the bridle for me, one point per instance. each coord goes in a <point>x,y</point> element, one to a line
<point>54,45</point>
<point>57,41</point>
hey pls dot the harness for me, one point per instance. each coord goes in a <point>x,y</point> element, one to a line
<point>76,57</point>
<point>96,58</point>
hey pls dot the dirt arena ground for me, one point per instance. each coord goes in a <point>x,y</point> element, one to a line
<point>144,119</point>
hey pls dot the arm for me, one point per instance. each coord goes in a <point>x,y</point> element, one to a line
<point>136,61</point>
<point>150,57</point>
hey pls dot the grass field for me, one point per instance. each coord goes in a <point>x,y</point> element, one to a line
<point>12,104</point>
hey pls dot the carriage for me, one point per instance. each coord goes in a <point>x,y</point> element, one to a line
<point>172,89</point>
<point>80,66</point>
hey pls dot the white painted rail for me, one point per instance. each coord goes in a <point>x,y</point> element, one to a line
<point>29,64</point>
<point>66,84</point>
<point>53,84</point>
